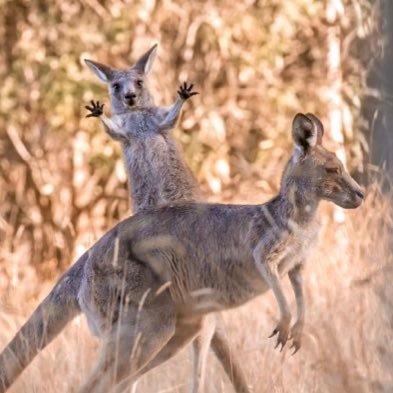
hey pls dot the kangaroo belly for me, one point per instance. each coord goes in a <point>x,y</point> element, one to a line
<point>207,285</point>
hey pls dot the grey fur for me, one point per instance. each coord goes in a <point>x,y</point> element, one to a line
<point>157,173</point>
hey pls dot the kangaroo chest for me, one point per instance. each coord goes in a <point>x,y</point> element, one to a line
<point>235,278</point>
<point>290,250</point>
<point>157,174</point>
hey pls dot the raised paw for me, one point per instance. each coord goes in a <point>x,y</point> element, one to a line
<point>282,330</point>
<point>185,91</point>
<point>296,336</point>
<point>96,109</point>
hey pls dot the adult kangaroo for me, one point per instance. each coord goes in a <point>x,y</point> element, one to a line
<point>146,303</point>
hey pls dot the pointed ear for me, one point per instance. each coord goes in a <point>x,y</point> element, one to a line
<point>318,127</point>
<point>303,132</point>
<point>104,72</point>
<point>145,62</point>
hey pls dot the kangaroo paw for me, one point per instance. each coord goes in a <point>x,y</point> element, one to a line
<point>282,330</point>
<point>296,336</point>
<point>96,109</point>
<point>185,91</point>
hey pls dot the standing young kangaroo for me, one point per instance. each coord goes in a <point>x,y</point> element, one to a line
<point>157,174</point>
<point>235,251</point>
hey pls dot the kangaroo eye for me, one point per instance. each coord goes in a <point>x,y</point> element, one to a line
<point>333,170</point>
<point>139,83</point>
<point>116,86</point>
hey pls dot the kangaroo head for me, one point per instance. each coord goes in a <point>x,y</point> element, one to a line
<point>127,88</point>
<point>315,172</point>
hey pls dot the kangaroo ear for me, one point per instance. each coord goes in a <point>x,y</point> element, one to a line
<point>104,72</point>
<point>145,62</point>
<point>303,132</point>
<point>318,127</point>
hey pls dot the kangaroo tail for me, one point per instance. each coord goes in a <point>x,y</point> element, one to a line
<point>47,321</point>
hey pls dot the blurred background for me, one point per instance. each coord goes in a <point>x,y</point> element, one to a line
<point>256,64</point>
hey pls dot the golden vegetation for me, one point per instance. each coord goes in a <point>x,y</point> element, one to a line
<point>255,63</point>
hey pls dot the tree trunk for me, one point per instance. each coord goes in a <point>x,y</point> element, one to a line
<point>379,113</point>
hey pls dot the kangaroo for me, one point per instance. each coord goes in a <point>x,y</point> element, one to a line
<point>157,174</point>
<point>237,251</point>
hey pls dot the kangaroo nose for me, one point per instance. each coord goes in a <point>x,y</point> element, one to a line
<point>360,194</point>
<point>130,96</point>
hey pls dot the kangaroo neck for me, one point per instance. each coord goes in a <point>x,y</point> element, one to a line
<point>300,205</point>
<point>133,109</point>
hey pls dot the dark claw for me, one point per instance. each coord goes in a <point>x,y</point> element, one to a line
<point>275,331</point>
<point>296,348</point>
<point>282,337</point>
<point>279,342</point>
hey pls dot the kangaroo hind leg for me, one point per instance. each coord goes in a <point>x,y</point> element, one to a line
<point>201,346</point>
<point>228,359</point>
<point>130,344</point>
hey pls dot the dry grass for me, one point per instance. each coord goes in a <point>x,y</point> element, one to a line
<point>348,344</point>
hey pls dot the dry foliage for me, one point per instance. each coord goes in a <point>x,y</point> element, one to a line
<point>256,63</point>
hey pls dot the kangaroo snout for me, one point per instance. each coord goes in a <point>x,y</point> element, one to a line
<point>360,194</point>
<point>355,194</point>
<point>358,197</point>
<point>130,98</point>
